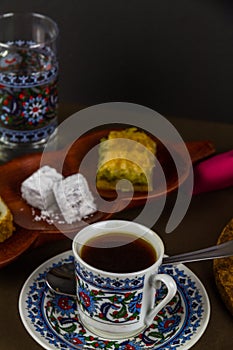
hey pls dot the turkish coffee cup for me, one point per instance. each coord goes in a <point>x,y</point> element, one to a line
<point>117,277</point>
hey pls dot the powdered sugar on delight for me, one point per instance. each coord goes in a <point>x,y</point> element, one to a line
<point>60,200</point>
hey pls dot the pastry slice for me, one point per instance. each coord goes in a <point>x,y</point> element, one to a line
<point>122,159</point>
<point>6,222</point>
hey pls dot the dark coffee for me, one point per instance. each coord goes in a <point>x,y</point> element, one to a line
<point>118,252</point>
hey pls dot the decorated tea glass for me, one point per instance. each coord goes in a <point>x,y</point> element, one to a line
<point>28,79</point>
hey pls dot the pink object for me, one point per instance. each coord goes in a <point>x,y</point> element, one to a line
<point>214,173</point>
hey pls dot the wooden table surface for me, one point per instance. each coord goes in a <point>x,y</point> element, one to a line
<point>207,215</point>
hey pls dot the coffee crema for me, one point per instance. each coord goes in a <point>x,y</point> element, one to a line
<point>118,252</point>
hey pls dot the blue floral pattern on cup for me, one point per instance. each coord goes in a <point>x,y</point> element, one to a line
<point>103,298</point>
<point>108,283</point>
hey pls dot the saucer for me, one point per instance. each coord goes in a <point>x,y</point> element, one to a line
<point>53,321</point>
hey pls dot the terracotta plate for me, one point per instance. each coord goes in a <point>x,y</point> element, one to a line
<point>13,173</point>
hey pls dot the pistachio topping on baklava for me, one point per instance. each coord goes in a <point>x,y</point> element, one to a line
<point>127,154</point>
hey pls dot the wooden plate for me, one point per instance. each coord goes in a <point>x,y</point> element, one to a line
<point>197,150</point>
<point>223,270</point>
<point>13,173</point>
<point>16,245</point>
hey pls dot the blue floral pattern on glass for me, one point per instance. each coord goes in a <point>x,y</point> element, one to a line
<point>28,92</point>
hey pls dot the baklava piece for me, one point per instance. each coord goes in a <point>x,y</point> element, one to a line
<point>122,159</point>
<point>6,222</point>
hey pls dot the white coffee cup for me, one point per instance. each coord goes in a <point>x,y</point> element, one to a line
<point>119,305</point>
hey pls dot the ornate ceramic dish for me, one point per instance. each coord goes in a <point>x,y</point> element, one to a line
<point>53,321</point>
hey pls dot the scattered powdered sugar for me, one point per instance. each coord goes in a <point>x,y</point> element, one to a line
<point>48,216</point>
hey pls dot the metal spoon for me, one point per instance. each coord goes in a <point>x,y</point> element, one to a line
<point>61,279</point>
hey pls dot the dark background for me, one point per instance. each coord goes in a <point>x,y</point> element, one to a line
<point>175,56</point>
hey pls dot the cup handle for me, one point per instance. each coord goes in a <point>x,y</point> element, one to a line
<point>155,282</point>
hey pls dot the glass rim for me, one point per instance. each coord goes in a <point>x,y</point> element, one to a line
<point>35,15</point>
